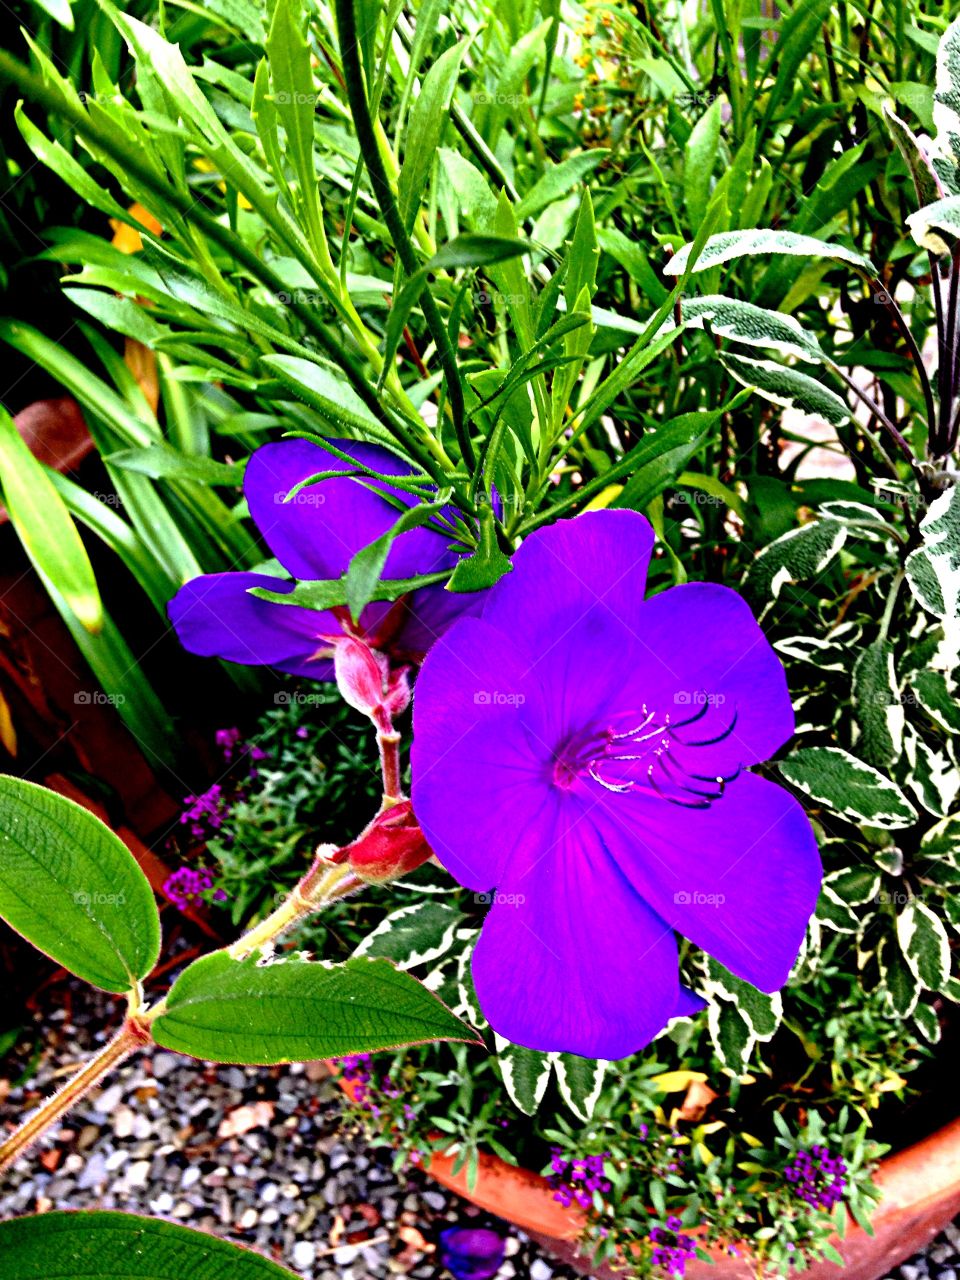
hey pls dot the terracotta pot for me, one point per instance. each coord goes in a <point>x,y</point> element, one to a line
<point>920,1189</point>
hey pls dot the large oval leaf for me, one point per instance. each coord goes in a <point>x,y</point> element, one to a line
<point>289,1009</point>
<point>73,888</point>
<point>122,1246</point>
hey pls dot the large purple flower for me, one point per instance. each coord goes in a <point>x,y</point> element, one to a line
<point>585,750</point>
<point>314,535</point>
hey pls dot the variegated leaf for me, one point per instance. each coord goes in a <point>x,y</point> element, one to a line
<point>798,556</point>
<point>751,325</point>
<point>742,244</point>
<point>731,1035</point>
<point>787,387</point>
<point>877,704</point>
<point>835,778</point>
<point>580,1081</point>
<point>934,779</point>
<point>925,944</point>
<point>925,180</point>
<point>936,226</point>
<point>525,1072</point>
<point>413,935</point>
<point>946,110</point>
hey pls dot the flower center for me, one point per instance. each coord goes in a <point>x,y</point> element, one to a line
<point>653,753</point>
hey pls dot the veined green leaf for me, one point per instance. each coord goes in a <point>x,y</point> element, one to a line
<point>425,129</point>
<point>751,325</point>
<point>848,786</point>
<point>788,387</point>
<point>123,1246</point>
<point>290,1009</point>
<point>73,888</point>
<point>525,1074</point>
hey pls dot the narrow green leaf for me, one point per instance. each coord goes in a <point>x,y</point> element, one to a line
<point>425,129</point>
<point>73,888</point>
<point>46,528</point>
<point>729,245</point>
<point>366,566</point>
<point>559,180</point>
<point>699,159</point>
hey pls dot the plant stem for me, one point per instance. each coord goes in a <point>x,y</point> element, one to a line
<point>901,322</point>
<point>891,430</point>
<point>323,883</point>
<point>133,1035</point>
<point>887,618</point>
<point>366,136</point>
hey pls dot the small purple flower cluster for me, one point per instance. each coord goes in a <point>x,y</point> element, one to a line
<point>577,1179</point>
<point>204,813</point>
<point>818,1178</point>
<point>671,1249</point>
<point>355,1068</point>
<point>185,886</point>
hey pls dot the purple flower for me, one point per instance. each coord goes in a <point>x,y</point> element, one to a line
<point>584,750</point>
<point>471,1253</point>
<point>187,885</point>
<point>671,1251</point>
<point>314,535</point>
<point>817,1178</point>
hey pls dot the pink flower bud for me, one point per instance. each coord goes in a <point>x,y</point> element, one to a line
<point>391,846</point>
<point>361,674</point>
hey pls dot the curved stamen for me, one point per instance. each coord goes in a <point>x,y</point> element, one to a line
<point>709,742</point>
<point>684,804</point>
<point>703,707</point>
<point>672,771</point>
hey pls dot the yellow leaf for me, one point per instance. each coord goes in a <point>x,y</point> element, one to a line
<point>674,1081</point>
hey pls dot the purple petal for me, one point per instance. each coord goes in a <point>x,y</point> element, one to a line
<point>688,1003</point>
<point>740,878</point>
<point>594,564</point>
<point>430,612</point>
<point>702,639</point>
<point>216,617</point>
<point>477,788</point>
<point>315,534</point>
<point>570,958</point>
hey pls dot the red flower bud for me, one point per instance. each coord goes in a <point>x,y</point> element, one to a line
<point>391,846</point>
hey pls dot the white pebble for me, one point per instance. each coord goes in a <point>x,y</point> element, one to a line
<point>304,1254</point>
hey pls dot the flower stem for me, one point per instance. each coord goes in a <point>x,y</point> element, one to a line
<point>132,1036</point>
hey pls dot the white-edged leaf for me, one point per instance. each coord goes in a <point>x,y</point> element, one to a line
<point>731,1035</point>
<point>925,180</point>
<point>751,325</point>
<point>946,110</point>
<point>788,387</point>
<point>934,779</point>
<point>933,570</point>
<point>799,555</point>
<point>525,1072</point>
<point>743,244</point>
<point>925,944</point>
<point>877,704</point>
<point>936,226</point>
<point>580,1081</point>
<point>413,935</point>
<point>850,787</point>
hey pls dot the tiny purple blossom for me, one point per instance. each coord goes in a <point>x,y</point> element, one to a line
<point>817,1178</point>
<point>586,751</point>
<point>314,535</point>
<point>187,885</point>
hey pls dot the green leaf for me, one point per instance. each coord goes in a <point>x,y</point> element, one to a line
<point>933,570</point>
<point>699,158</point>
<point>937,698</point>
<point>754,326</point>
<point>488,563</point>
<point>364,569</point>
<point>425,129</point>
<point>413,935</point>
<point>925,944</point>
<point>46,528</point>
<point>731,1035</point>
<point>850,787</point>
<point>925,180</point>
<point>161,462</point>
<point>762,1011</point>
<point>333,593</point>
<point>926,1019</point>
<point>933,778</point>
<point>73,889</point>
<point>729,245</point>
<point>788,387</point>
<point>559,180</point>
<point>580,1081</point>
<point>525,1072</point>
<point>936,226</point>
<point>323,388</point>
<point>946,110</point>
<point>854,885</point>
<point>123,1246</point>
<point>798,556</point>
<point>877,704</point>
<point>899,983</point>
<point>288,1009</point>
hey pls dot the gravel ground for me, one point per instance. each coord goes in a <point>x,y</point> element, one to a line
<point>257,1155</point>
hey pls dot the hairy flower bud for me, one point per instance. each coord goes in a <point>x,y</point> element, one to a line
<point>391,846</point>
<point>361,674</point>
